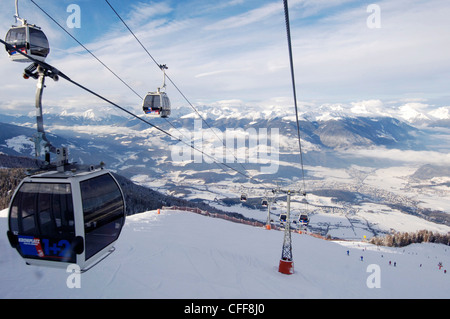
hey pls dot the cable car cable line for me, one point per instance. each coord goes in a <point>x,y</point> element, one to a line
<point>137,94</point>
<point>160,66</point>
<point>100,61</point>
<point>87,50</point>
<point>291,61</point>
<point>175,86</point>
<point>75,217</point>
<point>62,75</point>
<point>154,126</point>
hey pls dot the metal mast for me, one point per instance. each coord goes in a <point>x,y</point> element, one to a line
<point>268,226</point>
<point>286,254</point>
<point>287,262</point>
<point>41,142</point>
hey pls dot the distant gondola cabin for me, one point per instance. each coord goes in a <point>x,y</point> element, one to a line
<point>303,219</point>
<point>157,103</point>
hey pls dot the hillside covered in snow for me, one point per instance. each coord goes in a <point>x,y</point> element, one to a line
<point>181,255</point>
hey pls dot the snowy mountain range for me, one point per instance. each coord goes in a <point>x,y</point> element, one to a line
<point>331,126</point>
<point>359,159</point>
<point>414,113</point>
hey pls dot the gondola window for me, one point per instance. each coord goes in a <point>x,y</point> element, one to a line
<point>103,210</point>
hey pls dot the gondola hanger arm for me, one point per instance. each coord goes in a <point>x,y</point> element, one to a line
<point>16,16</point>
<point>163,68</point>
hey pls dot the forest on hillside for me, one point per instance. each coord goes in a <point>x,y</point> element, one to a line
<point>401,239</point>
<point>9,179</point>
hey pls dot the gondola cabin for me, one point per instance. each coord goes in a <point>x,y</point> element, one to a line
<point>28,39</point>
<point>303,219</point>
<point>264,203</point>
<point>57,219</point>
<point>283,218</point>
<point>243,198</point>
<point>157,103</point>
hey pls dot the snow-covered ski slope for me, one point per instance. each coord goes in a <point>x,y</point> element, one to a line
<point>177,254</point>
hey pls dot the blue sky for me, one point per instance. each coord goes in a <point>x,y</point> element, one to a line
<point>235,52</point>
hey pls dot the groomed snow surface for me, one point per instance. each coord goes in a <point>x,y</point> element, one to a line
<point>176,254</point>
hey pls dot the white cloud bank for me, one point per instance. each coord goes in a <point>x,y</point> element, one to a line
<point>238,50</point>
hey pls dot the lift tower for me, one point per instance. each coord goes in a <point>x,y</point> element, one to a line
<point>287,262</point>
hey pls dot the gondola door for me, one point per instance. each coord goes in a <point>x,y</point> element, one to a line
<point>103,215</point>
<point>42,223</point>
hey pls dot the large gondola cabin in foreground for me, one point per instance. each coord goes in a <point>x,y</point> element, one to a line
<point>62,218</point>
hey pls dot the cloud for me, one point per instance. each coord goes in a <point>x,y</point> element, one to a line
<point>141,12</point>
<point>441,113</point>
<point>409,156</point>
<point>366,107</point>
<point>246,18</point>
<point>239,51</point>
<point>215,73</point>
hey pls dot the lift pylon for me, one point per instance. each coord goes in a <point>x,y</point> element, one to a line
<point>286,265</point>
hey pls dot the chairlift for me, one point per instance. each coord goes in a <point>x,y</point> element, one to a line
<point>27,38</point>
<point>61,218</point>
